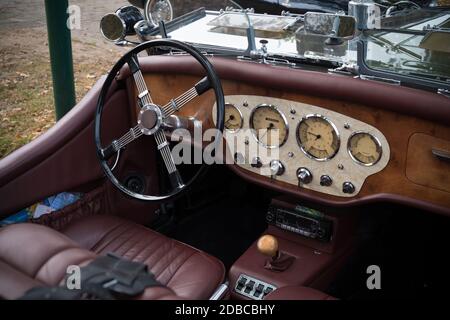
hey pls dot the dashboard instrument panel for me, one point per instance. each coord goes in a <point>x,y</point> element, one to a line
<point>325,151</point>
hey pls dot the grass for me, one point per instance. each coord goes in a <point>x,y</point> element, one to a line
<point>26,96</point>
<point>26,107</point>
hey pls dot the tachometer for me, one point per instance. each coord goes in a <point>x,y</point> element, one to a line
<point>364,148</point>
<point>318,137</point>
<point>269,126</point>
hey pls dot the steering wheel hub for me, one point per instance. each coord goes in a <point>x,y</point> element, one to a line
<point>150,119</point>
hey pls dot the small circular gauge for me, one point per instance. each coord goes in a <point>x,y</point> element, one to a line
<point>318,137</point>
<point>364,148</point>
<point>233,118</point>
<point>269,126</point>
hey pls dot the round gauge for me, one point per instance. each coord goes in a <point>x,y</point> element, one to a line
<point>318,137</point>
<point>364,148</point>
<point>269,126</point>
<point>233,118</point>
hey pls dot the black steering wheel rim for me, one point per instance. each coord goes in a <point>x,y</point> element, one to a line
<point>215,85</point>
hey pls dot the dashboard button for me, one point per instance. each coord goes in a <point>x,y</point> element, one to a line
<point>348,187</point>
<point>241,283</point>
<point>256,162</point>
<point>326,181</point>
<point>268,290</point>
<point>258,290</point>
<point>304,175</point>
<point>249,286</point>
<point>276,167</point>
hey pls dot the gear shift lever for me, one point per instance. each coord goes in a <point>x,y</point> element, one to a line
<point>268,246</point>
<point>279,261</point>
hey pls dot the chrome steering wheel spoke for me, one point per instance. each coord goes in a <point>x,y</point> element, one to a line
<point>163,146</point>
<point>121,143</point>
<point>160,137</point>
<point>143,93</point>
<point>176,104</point>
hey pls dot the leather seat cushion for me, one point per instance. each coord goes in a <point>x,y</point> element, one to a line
<point>189,272</point>
<point>32,255</point>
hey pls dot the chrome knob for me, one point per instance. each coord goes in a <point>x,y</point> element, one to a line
<point>348,187</point>
<point>256,162</point>
<point>304,175</point>
<point>326,181</point>
<point>276,167</point>
<point>239,158</point>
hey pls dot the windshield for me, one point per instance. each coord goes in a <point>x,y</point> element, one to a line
<point>415,43</point>
<point>407,38</point>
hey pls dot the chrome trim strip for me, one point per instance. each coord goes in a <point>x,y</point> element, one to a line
<point>143,94</point>
<point>220,291</point>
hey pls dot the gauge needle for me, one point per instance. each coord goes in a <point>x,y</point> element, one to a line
<point>229,119</point>
<point>315,135</point>
<point>270,127</point>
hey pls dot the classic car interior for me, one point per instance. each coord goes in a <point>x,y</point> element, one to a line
<point>360,178</point>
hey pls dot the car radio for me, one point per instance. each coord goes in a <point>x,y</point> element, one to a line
<point>301,220</point>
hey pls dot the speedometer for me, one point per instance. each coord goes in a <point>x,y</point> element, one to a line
<point>269,126</point>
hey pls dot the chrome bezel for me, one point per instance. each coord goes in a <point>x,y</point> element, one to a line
<point>265,105</point>
<point>148,15</point>
<point>377,142</point>
<point>124,30</point>
<point>240,114</point>
<point>297,134</point>
<point>159,119</point>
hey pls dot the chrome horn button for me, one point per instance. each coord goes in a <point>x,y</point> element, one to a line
<point>150,119</point>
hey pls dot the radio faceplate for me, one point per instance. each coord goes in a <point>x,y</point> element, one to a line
<point>301,220</point>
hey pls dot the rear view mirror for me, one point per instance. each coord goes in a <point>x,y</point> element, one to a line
<point>329,25</point>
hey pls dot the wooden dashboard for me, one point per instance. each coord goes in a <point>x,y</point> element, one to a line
<point>411,175</point>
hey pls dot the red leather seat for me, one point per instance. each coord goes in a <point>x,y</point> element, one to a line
<point>33,255</point>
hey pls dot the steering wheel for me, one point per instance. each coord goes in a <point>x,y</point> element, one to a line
<point>152,118</point>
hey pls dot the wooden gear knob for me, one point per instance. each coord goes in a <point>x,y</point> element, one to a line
<point>268,245</point>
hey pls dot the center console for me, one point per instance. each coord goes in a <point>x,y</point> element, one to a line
<point>301,247</point>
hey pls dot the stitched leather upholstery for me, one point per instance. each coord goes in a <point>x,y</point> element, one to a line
<point>33,255</point>
<point>189,272</point>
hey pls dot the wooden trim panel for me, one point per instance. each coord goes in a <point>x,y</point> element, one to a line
<point>391,184</point>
